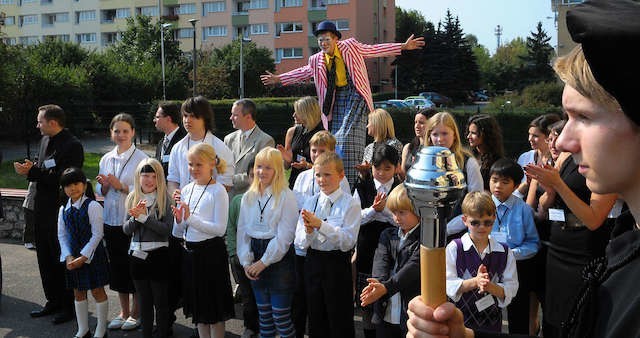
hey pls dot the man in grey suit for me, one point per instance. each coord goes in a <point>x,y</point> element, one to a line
<point>245,142</point>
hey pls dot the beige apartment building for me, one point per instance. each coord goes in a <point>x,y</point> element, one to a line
<point>283,26</point>
<point>560,8</point>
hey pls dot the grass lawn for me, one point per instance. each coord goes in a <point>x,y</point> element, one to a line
<point>9,178</point>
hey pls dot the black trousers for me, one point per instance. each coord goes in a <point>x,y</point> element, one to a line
<point>300,299</point>
<point>174,286</point>
<point>153,295</point>
<point>51,269</point>
<point>28,235</point>
<point>388,330</point>
<point>329,294</point>
<point>518,310</point>
<point>249,307</point>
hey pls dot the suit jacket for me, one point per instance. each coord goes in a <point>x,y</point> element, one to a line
<point>353,52</point>
<point>244,153</point>
<point>398,269</point>
<point>179,135</point>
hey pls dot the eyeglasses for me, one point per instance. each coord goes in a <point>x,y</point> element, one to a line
<point>487,223</point>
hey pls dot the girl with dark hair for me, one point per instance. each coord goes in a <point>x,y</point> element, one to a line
<point>410,150</point>
<point>485,139</point>
<point>80,235</point>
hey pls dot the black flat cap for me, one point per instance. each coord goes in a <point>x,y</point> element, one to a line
<point>609,31</point>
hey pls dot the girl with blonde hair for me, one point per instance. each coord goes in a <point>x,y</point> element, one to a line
<point>149,224</point>
<point>200,218</point>
<point>266,229</point>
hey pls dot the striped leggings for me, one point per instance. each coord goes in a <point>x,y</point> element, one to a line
<point>274,311</point>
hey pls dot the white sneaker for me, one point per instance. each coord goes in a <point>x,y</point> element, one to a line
<point>130,324</point>
<point>30,246</point>
<point>116,323</point>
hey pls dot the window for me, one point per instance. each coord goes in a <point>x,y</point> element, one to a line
<point>10,41</point>
<point>84,16</point>
<point>290,3</point>
<point>213,7</point>
<point>214,31</point>
<point>61,37</point>
<point>46,2</point>
<point>337,2</point>
<point>27,2</point>
<point>28,20</point>
<point>62,17</point>
<point>317,3</point>
<point>288,53</point>
<point>288,27</point>
<point>147,11</point>
<point>122,13</point>
<point>243,6</point>
<point>86,38</point>
<point>259,28</point>
<point>10,20</point>
<point>183,33</point>
<point>258,4</point>
<point>109,38</point>
<point>187,9</point>
<point>6,2</point>
<point>342,24</point>
<point>29,40</point>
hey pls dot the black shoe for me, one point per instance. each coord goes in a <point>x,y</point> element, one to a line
<point>63,317</point>
<point>48,309</point>
<point>105,335</point>
<point>86,335</point>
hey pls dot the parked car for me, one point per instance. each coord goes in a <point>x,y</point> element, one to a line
<point>480,95</point>
<point>419,102</point>
<point>391,104</point>
<point>438,99</point>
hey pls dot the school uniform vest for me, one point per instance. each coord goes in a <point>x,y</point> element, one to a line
<point>467,264</point>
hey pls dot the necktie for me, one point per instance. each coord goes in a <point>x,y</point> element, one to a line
<point>165,145</point>
<point>331,86</point>
<point>382,189</point>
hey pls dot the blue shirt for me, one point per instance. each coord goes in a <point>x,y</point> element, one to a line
<point>515,227</point>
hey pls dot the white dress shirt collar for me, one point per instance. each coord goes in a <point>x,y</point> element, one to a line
<point>467,243</point>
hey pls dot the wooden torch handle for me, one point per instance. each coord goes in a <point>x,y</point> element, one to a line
<point>432,276</point>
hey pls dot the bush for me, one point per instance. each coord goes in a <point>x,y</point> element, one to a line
<point>542,95</point>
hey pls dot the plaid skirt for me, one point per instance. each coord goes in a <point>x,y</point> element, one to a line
<point>91,275</point>
<point>349,126</point>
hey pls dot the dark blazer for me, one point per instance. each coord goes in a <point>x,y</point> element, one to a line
<point>179,135</point>
<point>398,269</point>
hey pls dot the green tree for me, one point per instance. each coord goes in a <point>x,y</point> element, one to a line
<point>409,22</point>
<point>538,57</point>
<point>506,67</point>
<point>140,42</point>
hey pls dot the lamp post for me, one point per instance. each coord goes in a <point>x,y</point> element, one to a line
<point>242,41</point>
<point>164,86</point>
<point>193,58</point>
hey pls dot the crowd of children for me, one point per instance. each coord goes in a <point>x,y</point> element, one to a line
<point>310,254</point>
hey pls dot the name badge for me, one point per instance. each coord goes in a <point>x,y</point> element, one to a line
<point>261,226</point>
<point>485,302</point>
<point>300,158</point>
<point>165,158</point>
<point>499,236</point>
<point>556,215</point>
<point>140,254</point>
<point>50,163</point>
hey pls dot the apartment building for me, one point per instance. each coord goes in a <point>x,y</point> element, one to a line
<point>283,26</point>
<point>560,8</point>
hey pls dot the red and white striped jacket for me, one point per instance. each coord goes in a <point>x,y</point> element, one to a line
<point>353,52</point>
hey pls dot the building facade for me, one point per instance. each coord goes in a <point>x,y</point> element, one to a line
<point>560,8</point>
<point>283,26</point>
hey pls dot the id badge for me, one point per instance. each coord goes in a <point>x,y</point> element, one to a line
<point>165,158</point>
<point>261,226</point>
<point>485,302</point>
<point>499,236</point>
<point>556,215</point>
<point>300,158</point>
<point>140,254</point>
<point>50,163</point>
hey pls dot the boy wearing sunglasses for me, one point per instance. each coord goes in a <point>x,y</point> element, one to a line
<point>481,272</point>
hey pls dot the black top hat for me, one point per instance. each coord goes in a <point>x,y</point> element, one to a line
<point>327,26</point>
<point>609,32</point>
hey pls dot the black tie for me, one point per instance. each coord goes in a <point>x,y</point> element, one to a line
<point>165,145</point>
<point>331,86</point>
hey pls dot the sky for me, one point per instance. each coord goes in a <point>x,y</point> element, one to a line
<point>518,18</point>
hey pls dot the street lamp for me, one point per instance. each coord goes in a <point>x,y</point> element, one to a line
<point>242,41</point>
<point>164,86</point>
<point>195,61</point>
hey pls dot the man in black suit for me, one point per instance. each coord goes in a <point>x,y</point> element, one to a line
<point>59,150</point>
<point>167,120</point>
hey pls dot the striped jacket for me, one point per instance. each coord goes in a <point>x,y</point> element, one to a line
<point>353,53</point>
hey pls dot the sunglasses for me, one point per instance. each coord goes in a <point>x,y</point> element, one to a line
<point>486,223</point>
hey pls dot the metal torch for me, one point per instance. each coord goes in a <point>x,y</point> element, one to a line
<point>434,184</point>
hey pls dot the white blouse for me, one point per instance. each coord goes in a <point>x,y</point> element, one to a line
<point>179,165</point>
<point>94,211</point>
<point>123,167</point>
<point>278,224</point>
<point>209,211</point>
<point>340,215</point>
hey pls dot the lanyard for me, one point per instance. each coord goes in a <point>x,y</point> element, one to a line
<point>503,216</point>
<point>265,206</point>
<point>195,206</point>
<point>124,166</point>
